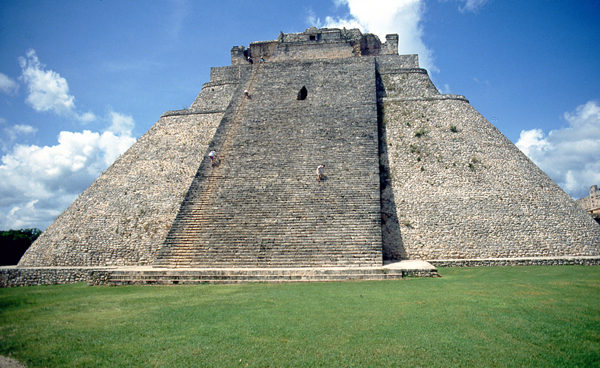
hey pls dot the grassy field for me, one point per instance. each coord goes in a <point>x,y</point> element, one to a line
<point>471,317</point>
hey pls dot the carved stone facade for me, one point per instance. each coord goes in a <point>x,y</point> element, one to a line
<point>591,203</point>
<point>324,43</point>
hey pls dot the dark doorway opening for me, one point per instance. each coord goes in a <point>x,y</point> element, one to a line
<point>303,93</point>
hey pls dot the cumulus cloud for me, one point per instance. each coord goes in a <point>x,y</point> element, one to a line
<point>47,90</point>
<point>40,182</point>
<point>7,85</point>
<point>570,155</point>
<point>121,124</point>
<point>383,17</point>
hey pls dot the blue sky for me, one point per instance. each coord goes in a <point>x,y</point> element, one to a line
<point>80,81</point>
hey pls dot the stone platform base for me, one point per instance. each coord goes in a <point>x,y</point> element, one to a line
<point>524,261</point>
<point>16,276</point>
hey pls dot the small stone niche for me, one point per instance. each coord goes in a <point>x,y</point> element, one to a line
<point>302,93</point>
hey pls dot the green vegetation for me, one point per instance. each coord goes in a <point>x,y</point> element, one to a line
<point>421,132</point>
<point>14,243</point>
<point>474,317</point>
<point>453,129</point>
<point>415,149</point>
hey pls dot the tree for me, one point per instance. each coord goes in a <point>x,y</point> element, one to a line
<point>14,243</point>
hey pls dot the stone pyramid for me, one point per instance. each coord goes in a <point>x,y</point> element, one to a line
<point>409,173</point>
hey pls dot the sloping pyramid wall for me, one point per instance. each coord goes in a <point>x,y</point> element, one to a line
<point>454,187</point>
<point>123,218</point>
<point>261,205</point>
<point>410,174</point>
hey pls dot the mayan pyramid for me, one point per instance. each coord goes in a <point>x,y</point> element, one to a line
<point>409,173</point>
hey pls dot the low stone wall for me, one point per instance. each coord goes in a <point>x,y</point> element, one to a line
<point>13,276</point>
<point>228,73</point>
<point>495,262</point>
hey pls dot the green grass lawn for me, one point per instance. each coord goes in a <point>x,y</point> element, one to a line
<point>471,317</point>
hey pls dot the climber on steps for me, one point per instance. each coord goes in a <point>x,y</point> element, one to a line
<point>320,174</point>
<point>212,155</point>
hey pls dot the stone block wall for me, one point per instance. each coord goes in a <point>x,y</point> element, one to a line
<point>387,64</point>
<point>309,51</point>
<point>262,205</point>
<point>123,218</point>
<point>228,73</point>
<point>16,277</point>
<point>455,187</point>
<point>262,49</point>
<point>215,96</point>
<point>506,262</point>
<point>591,203</point>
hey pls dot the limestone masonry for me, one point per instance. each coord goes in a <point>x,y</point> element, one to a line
<point>409,173</point>
<point>591,203</point>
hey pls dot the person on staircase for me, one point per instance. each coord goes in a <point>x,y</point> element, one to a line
<point>320,174</point>
<point>212,155</point>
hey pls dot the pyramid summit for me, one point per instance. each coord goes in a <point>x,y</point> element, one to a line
<point>409,173</point>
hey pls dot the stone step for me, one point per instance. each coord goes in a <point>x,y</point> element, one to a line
<point>142,275</point>
<point>261,205</point>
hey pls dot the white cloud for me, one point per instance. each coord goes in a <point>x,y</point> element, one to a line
<point>16,130</point>
<point>570,155</point>
<point>40,182</point>
<point>47,90</point>
<point>7,85</point>
<point>383,17</point>
<point>120,124</point>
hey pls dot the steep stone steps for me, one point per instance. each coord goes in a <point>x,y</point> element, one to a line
<point>142,276</point>
<point>261,205</point>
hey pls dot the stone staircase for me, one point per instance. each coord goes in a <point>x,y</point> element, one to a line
<point>261,205</point>
<point>160,276</point>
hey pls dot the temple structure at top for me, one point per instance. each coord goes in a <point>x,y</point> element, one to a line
<point>313,43</point>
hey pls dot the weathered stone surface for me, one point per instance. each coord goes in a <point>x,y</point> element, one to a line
<point>140,275</point>
<point>410,174</point>
<point>262,205</point>
<point>125,215</point>
<point>455,187</point>
<point>591,203</point>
